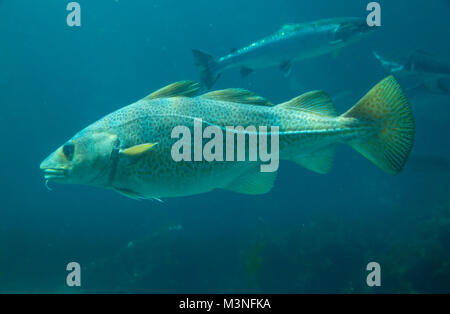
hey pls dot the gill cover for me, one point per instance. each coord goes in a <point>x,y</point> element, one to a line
<point>81,160</point>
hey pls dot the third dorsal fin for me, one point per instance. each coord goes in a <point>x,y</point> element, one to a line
<point>317,102</point>
<point>237,95</point>
<point>182,88</point>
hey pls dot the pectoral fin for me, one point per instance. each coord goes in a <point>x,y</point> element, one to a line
<point>130,194</point>
<point>138,150</point>
<point>286,68</point>
<point>135,195</point>
<point>245,71</point>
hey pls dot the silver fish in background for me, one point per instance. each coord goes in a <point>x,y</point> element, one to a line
<point>293,42</point>
<point>420,71</point>
<point>129,150</point>
<point>422,61</point>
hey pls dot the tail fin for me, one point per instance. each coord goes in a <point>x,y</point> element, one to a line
<point>205,64</point>
<point>388,108</point>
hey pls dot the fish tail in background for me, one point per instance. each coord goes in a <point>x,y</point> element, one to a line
<point>386,106</point>
<point>388,65</point>
<point>205,64</point>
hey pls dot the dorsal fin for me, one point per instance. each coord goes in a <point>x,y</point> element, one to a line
<point>317,102</point>
<point>289,27</point>
<point>237,95</point>
<point>182,88</point>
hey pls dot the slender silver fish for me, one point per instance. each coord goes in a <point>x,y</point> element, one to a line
<point>293,42</point>
<point>420,71</point>
<point>131,150</point>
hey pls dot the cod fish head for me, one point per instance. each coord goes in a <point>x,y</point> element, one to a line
<point>84,159</point>
<point>351,29</point>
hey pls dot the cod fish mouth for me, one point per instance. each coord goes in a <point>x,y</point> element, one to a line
<point>54,174</point>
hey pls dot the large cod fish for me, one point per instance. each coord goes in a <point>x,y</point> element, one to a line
<point>293,42</point>
<point>130,150</point>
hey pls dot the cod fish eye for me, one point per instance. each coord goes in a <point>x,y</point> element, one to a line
<point>69,150</point>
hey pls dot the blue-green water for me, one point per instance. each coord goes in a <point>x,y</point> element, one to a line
<point>311,233</point>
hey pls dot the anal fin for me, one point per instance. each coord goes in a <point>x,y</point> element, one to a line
<point>320,161</point>
<point>253,182</point>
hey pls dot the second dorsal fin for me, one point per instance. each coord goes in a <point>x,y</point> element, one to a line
<point>237,95</point>
<point>289,27</point>
<point>182,88</point>
<point>317,102</point>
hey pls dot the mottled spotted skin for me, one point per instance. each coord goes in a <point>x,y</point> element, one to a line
<point>130,150</point>
<point>155,174</point>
